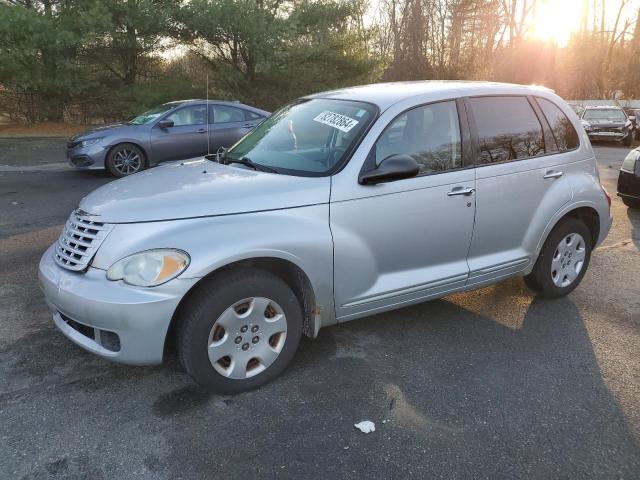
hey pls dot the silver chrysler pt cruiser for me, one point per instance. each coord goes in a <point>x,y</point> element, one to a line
<point>340,205</point>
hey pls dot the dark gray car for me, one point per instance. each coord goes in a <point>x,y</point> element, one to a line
<point>172,131</point>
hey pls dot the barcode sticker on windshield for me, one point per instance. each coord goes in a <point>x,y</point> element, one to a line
<point>336,120</point>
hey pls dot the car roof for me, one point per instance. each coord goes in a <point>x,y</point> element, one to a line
<point>386,94</point>
<point>233,103</point>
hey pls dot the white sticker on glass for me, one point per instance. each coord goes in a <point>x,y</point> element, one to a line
<point>336,120</point>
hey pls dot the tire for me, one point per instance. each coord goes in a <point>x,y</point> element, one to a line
<point>626,141</point>
<point>631,202</point>
<point>227,314</point>
<point>555,273</point>
<point>125,159</point>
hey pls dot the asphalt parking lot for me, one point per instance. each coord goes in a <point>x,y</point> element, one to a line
<point>494,383</point>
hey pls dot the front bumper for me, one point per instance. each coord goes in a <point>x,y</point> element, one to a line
<point>628,185</point>
<point>87,158</point>
<point>89,309</point>
<point>608,136</point>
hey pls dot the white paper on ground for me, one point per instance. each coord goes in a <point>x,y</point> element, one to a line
<point>366,426</point>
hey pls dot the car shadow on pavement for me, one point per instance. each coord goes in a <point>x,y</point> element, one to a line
<point>491,383</point>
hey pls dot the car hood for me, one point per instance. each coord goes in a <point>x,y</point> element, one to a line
<point>200,188</point>
<point>102,129</point>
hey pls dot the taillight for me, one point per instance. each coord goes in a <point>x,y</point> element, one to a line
<point>606,194</point>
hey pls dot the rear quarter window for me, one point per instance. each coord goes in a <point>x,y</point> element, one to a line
<point>508,129</point>
<point>565,135</point>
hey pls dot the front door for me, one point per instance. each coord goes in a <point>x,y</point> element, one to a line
<point>400,242</point>
<point>187,137</point>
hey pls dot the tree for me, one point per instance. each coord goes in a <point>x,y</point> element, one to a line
<point>39,44</point>
<point>268,51</point>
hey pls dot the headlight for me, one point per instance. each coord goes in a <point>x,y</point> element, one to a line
<point>88,143</point>
<point>150,268</point>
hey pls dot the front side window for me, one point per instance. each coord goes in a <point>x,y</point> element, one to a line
<point>152,114</point>
<point>192,115</point>
<point>561,127</point>
<point>309,137</point>
<point>227,114</point>
<point>508,129</point>
<point>430,134</point>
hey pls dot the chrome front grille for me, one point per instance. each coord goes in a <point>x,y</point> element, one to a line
<point>79,241</point>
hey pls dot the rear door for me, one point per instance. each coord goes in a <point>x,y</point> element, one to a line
<point>186,138</point>
<point>229,125</point>
<point>520,182</point>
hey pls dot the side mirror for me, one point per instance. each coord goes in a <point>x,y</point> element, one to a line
<point>632,118</point>
<point>165,123</point>
<point>394,167</point>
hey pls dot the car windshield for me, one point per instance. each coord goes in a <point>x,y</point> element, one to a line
<point>613,114</point>
<point>308,137</point>
<point>152,114</point>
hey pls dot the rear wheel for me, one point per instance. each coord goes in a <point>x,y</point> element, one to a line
<point>239,330</point>
<point>563,260</point>
<point>631,202</point>
<point>125,159</point>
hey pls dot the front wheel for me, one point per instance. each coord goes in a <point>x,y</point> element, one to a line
<point>239,330</point>
<point>626,141</point>
<point>563,260</point>
<point>125,159</point>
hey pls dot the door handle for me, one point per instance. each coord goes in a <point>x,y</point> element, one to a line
<point>461,191</point>
<point>552,174</point>
<point>248,125</point>
<point>202,130</point>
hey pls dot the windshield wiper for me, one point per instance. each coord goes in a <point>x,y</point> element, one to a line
<point>247,161</point>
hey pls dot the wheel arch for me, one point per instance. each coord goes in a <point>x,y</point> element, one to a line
<point>585,213</point>
<point>288,271</point>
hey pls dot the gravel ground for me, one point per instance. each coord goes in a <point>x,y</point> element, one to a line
<point>493,383</point>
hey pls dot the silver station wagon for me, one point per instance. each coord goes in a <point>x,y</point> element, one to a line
<point>340,205</point>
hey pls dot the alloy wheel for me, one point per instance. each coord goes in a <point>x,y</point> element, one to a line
<point>127,161</point>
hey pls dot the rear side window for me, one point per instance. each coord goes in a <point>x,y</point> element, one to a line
<point>508,129</point>
<point>430,134</point>
<point>561,127</point>
<point>227,114</point>
<point>252,116</point>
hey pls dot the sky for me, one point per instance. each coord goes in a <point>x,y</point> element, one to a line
<point>556,20</point>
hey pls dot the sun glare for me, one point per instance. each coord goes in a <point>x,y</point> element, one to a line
<point>556,20</point>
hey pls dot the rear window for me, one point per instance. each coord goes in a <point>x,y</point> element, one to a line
<point>561,127</point>
<point>508,129</point>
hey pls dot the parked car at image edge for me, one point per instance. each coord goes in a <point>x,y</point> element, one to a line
<point>629,179</point>
<point>632,113</point>
<point>341,205</point>
<point>607,123</point>
<point>172,131</point>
